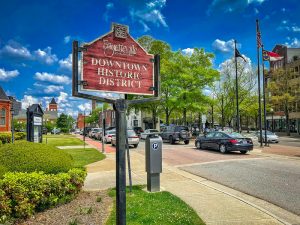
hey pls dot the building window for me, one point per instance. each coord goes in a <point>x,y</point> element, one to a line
<point>3,117</point>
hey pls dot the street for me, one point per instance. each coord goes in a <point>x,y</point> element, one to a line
<point>273,179</point>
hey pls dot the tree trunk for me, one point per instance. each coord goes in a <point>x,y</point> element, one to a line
<point>184,116</point>
<point>247,121</point>
<point>287,120</point>
<point>154,118</point>
<point>167,116</point>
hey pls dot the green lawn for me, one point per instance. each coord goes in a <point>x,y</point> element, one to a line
<point>61,140</point>
<point>83,156</point>
<point>155,208</point>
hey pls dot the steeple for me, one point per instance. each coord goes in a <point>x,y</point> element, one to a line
<point>53,105</point>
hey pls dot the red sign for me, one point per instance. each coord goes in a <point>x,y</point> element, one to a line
<point>115,62</point>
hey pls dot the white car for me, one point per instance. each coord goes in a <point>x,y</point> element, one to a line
<point>108,135</point>
<point>147,132</point>
<point>133,139</point>
<point>271,137</point>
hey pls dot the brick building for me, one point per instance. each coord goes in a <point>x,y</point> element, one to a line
<point>5,113</point>
<point>291,65</point>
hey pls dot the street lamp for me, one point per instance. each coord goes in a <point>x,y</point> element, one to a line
<point>12,125</point>
<point>272,113</point>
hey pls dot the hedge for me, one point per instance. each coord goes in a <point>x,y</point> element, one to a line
<point>23,194</point>
<point>5,137</point>
<point>23,156</point>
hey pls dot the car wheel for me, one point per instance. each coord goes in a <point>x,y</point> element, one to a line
<point>112,144</point>
<point>186,142</point>
<point>171,140</point>
<point>135,146</point>
<point>243,152</point>
<point>222,148</point>
<point>198,145</point>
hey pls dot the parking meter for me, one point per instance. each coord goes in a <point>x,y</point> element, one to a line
<point>153,146</point>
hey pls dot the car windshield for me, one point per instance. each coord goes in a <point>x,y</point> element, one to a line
<point>153,130</point>
<point>131,133</point>
<point>180,128</point>
<point>235,135</point>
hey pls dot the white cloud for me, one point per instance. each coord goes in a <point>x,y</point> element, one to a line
<point>53,78</point>
<point>62,98</point>
<point>150,13</point>
<point>188,51</point>
<point>109,6</point>
<point>223,46</point>
<point>15,50</point>
<point>67,39</point>
<point>295,29</point>
<point>295,43</point>
<point>85,107</point>
<point>229,6</point>
<point>28,100</point>
<point>66,63</point>
<point>6,75</point>
<point>45,56</point>
<point>49,89</point>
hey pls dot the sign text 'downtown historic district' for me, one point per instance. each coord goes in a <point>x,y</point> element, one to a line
<point>118,65</point>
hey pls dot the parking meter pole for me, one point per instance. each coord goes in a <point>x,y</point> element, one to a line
<point>153,162</point>
<point>128,163</point>
<point>103,132</point>
<point>120,107</point>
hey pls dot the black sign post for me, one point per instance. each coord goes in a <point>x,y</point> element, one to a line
<point>120,106</point>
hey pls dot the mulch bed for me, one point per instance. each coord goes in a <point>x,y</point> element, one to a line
<point>89,208</point>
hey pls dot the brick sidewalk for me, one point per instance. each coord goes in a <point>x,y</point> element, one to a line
<point>281,150</point>
<point>98,145</point>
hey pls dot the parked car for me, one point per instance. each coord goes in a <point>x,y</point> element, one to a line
<point>224,142</point>
<point>86,131</point>
<point>55,131</point>
<point>76,131</point>
<point>138,130</point>
<point>94,131</point>
<point>108,136</point>
<point>133,139</point>
<point>271,137</point>
<point>176,134</point>
<point>98,134</point>
<point>147,132</point>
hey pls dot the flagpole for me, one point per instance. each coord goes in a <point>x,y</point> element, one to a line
<point>236,91</point>
<point>258,74</point>
<point>264,96</point>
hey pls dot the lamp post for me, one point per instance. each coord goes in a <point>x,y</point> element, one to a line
<point>272,113</point>
<point>12,125</point>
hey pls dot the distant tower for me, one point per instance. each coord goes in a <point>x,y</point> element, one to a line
<point>53,105</point>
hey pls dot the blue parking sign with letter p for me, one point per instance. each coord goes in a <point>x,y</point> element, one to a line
<point>155,146</point>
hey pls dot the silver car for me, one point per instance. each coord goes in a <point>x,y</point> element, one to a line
<point>147,132</point>
<point>271,137</point>
<point>133,139</point>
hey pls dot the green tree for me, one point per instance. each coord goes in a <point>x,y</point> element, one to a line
<point>226,87</point>
<point>282,93</point>
<point>65,122</point>
<point>94,117</point>
<point>194,73</point>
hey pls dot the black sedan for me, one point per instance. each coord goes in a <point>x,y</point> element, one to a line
<point>224,142</point>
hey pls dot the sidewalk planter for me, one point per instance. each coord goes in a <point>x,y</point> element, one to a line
<point>23,194</point>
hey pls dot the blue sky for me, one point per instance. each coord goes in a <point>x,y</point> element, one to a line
<point>36,36</point>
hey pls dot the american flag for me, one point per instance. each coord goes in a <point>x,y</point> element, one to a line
<point>258,36</point>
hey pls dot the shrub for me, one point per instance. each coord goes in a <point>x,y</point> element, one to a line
<point>20,135</point>
<point>23,156</point>
<point>65,130</point>
<point>5,137</point>
<point>23,194</point>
